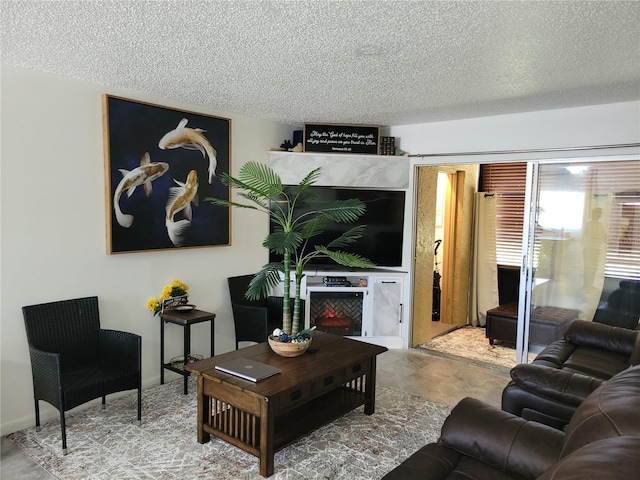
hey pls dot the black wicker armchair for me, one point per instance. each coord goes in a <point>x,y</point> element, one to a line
<point>254,320</point>
<point>74,361</point>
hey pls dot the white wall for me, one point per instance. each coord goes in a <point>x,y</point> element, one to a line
<point>609,124</point>
<point>53,230</point>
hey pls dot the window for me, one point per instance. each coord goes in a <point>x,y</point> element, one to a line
<point>507,181</point>
<point>560,210</point>
<point>566,202</point>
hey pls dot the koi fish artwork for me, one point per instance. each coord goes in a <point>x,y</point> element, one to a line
<point>180,199</point>
<point>143,175</point>
<point>190,139</point>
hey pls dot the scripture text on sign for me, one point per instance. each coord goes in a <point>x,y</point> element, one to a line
<point>341,138</point>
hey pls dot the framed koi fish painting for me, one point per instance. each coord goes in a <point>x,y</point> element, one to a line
<point>160,163</point>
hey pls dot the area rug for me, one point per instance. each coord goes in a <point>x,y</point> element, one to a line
<point>109,444</point>
<point>470,343</point>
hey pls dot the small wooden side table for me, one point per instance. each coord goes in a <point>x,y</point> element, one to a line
<point>185,319</point>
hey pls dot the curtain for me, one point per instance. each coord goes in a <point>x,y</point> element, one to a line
<point>574,220</point>
<point>484,271</point>
<point>594,248</point>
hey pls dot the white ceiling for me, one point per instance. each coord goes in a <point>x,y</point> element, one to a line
<point>378,62</point>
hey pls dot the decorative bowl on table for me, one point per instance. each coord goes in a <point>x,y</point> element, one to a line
<point>289,349</point>
<point>187,307</point>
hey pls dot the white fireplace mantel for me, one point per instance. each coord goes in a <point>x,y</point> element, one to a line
<point>343,170</point>
<point>385,320</point>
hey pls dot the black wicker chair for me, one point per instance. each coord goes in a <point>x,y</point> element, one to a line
<point>74,361</point>
<point>254,320</point>
<point>622,308</point>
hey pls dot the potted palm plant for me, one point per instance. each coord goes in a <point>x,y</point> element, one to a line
<point>296,219</point>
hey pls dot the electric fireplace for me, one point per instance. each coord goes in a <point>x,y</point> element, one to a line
<point>337,312</point>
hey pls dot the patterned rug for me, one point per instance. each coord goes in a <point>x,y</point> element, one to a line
<point>471,344</point>
<point>109,444</point>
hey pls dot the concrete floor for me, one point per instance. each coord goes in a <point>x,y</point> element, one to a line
<point>432,377</point>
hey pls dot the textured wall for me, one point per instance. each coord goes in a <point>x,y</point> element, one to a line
<point>424,244</point>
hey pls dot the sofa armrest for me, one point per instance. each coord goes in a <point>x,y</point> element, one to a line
<point>506,442</point>
<point>434,461</point>
<point>598,335</point>
<point>561,385</point>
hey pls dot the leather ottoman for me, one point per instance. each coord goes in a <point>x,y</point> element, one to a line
<point>547,323</point>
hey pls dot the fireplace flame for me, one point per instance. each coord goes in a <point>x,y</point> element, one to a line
<point>329,313</point>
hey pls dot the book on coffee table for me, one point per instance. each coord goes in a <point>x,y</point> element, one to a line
<point>248,369</point>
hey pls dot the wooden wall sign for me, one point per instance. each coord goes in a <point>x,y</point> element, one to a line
<point>335,138</point>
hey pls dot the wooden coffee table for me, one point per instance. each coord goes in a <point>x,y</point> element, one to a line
<point>312,390</point>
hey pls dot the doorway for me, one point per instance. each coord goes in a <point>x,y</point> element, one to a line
<point>455,218</point>
<point>622,257</point>
<point>443,192</point>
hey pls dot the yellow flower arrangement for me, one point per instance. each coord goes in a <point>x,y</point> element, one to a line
<point>175,289</point>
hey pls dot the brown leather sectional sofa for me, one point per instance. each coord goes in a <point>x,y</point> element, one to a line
<point>549,389</point>
<point>480,442</point>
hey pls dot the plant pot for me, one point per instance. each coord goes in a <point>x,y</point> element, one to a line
<point>288,349</point>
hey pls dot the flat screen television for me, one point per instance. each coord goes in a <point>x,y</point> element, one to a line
<point>383,220</point>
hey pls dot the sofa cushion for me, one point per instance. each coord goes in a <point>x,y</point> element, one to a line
<point>596,362</point>
<point>620,340</point>
<point>586,360</point>
<point>567,387</point>
<point>437,462</point>
<point>614,458</point>
<point>591,349</point>
<point>611,410</point>
<point>500,439</point>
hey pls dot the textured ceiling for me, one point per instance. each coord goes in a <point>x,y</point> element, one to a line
<point>379,62</point>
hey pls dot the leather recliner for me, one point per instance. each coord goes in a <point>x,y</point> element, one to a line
<point>549,389</point>
<point>479,442</point>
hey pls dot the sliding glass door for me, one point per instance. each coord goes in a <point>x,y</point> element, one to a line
<point>581,248</point>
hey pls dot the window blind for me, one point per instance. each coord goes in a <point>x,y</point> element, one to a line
<point>507,181</point>
<point>617,182</point>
